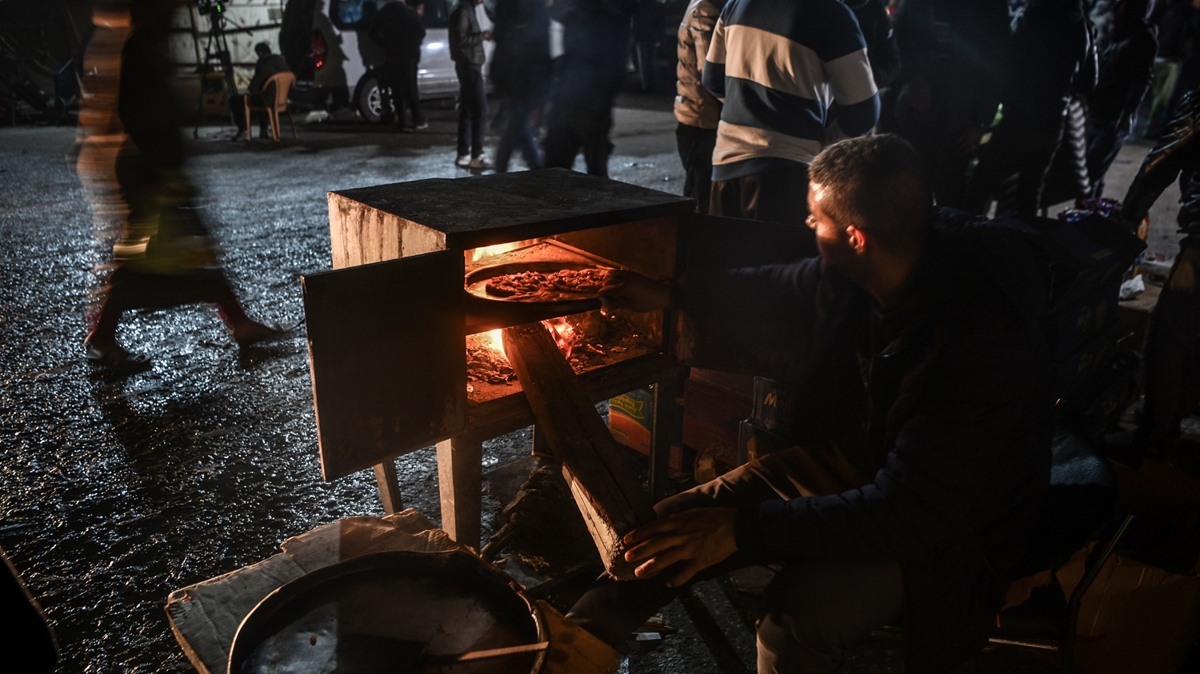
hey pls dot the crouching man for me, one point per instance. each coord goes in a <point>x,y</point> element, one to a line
<point>914,501</point>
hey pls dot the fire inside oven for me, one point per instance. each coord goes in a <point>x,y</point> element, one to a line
<point>589,336</point>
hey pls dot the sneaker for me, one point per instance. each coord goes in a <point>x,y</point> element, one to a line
<point>480,162</point>
<point>464,160</point>
<point>421,126</point>
<point>243,136</point>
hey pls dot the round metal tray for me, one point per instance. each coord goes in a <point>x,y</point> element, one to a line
<point>476,282</point>
<point>387,611</point>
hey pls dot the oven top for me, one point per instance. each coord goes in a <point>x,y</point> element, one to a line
<point>486,210</point>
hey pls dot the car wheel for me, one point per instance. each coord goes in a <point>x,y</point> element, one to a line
<point>369,101</point>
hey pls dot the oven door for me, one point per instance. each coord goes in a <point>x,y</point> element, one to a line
<point>722,329</point>
<point>386,344</point>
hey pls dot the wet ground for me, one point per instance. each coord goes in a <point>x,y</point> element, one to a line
<point>118,490</point>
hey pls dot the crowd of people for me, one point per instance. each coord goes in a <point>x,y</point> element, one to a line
<point>1065,79</point>
<point>1052,86</point>
<point>915,503</point>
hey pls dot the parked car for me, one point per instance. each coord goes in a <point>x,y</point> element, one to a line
<point>334,59</point>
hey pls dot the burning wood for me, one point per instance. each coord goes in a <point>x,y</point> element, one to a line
<point>611,502</point>
<point>587,341</point>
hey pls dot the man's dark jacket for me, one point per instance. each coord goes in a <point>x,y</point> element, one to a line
<point>268,65</point>
<point>398,29</point>
<point>957,427</point>
<point>466,37</point>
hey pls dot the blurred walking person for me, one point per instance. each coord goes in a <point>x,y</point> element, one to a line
<point>398,30</point>
<point>521,75</point>
<point>954,55</point>
<point>587,77</point>
<point>696,109</point>
<point>1051,45</point>
<point>466,49</point>
<point>1126,70</point>
<point>164,256</point>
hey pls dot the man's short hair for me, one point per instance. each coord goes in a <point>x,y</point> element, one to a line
<point>878,184</point>
<point>262,49</point>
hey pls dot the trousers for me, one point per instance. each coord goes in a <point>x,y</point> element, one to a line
<point>776,195</point>
<point>815,608</point>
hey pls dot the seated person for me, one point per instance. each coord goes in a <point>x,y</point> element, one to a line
<point>268,64</point>
<point>915,508</point>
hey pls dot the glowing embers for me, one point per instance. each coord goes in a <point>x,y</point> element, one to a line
<point>588,341</point>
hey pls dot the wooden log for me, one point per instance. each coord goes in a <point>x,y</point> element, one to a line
<point>593,463</point>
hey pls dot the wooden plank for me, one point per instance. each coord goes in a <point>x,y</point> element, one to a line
<point>593,464</point>
<point>386,352</point>
<point>389,487</point>
<point>492,209</point>
<point>723,328</point>
<point>666,430</point>
<point>460,484</point>
<point>204,617</point>
<point>573,650</point>
<point>360,234</point>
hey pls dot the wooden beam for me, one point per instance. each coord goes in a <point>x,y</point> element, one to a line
<point>460,483</point>
<point>389,487</point>
<point>665,431</point>
<point>594,465</point>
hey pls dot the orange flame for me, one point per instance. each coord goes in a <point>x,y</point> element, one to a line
<point>488,251</point>
<point>494,340</point>
<point>562,332</point>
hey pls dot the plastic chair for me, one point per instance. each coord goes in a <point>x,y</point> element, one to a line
<point>283,87</point>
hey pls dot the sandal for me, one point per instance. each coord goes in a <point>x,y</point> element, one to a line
<point>117,359</point>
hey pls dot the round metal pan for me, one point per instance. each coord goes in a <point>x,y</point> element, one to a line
<point>389,612</point>
<point>476,284</point>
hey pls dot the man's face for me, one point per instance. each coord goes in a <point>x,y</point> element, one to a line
<point>832,241</point>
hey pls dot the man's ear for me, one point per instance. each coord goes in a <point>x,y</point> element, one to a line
<point>857,238</point>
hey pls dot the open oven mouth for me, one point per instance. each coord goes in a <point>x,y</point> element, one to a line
<point>588,336</point>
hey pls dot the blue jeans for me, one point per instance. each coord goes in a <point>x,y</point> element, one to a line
<point>517,134</point>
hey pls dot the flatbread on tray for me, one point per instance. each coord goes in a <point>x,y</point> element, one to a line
<point>537,286</point>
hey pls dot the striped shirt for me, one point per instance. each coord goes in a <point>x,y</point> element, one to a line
<point>778,65</point>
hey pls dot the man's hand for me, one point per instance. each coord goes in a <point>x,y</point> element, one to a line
<point>682,544</point>
<point>630,290</point>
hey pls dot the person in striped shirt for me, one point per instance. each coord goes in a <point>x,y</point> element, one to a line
<point>778,65</point>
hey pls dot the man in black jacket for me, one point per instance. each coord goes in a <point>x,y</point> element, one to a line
<point>920,513</point>
<point>398,30</point>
